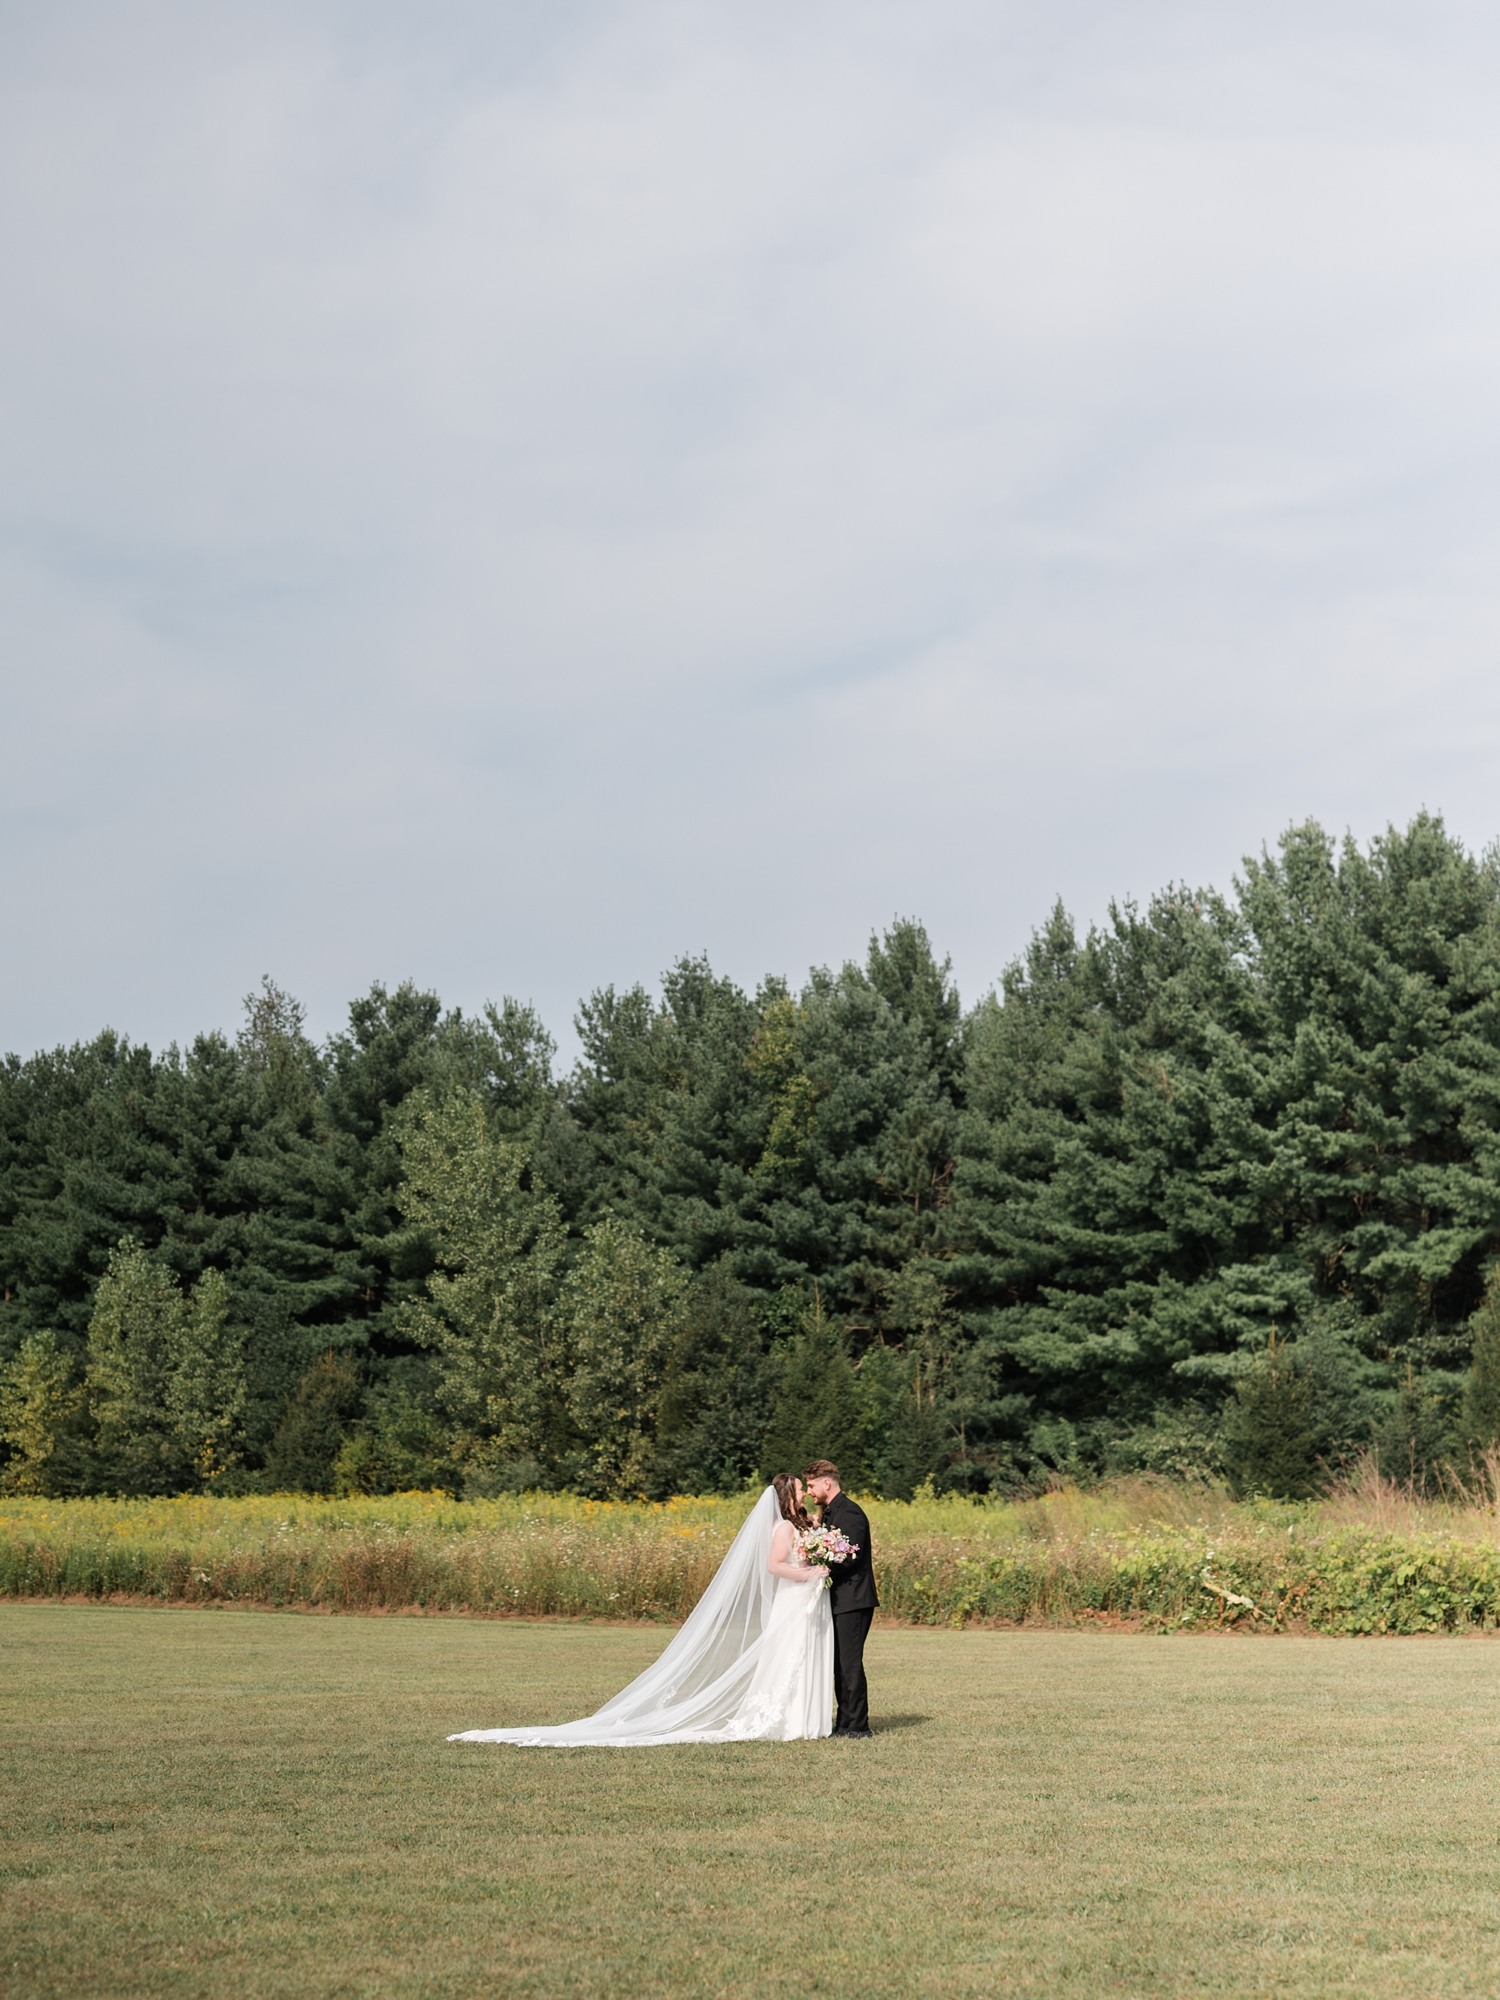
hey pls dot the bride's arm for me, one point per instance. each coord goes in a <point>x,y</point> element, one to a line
<point>783,1549</point>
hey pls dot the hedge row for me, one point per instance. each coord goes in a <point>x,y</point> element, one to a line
<point>1347,1581</point>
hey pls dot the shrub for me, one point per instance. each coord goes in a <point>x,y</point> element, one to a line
<point>313,1431</point>
<point>1413,1443</point>
<point>1270,1438</point>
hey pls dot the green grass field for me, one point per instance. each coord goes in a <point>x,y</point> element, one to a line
<point>253,1804</point>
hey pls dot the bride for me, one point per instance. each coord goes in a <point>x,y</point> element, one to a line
<point>754,1661</point>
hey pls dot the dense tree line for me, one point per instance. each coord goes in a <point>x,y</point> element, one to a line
<point>1213,1188</point>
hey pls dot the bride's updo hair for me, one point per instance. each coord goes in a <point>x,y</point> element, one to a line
<point>792,1510</point>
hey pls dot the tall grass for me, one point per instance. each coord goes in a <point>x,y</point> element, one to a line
<point>539,1555</point>
<point>1372,1557</point>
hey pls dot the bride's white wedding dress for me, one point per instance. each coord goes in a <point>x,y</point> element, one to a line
<point>753,1662</point>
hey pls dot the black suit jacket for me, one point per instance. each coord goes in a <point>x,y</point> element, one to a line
<point>853,1581</point>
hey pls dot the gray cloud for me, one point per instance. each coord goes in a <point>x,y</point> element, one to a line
<point>508,495</point>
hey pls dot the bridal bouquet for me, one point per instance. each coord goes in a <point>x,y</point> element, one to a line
<point>825,1545</point>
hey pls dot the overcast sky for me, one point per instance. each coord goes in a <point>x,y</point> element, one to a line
<point>508,494</point>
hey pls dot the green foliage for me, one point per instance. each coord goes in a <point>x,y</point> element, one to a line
<point>817,1412</point>
<point>808,1137</point>
<point>912,1418</point>
<point>165,1375</point>
<point>917,1451</point>
<point>490,1311</point>
<point>267,1159</point>
<point>1415,1441</point>
<point>1050,1234</point>
<point>1347,1582</point>
<point>919,1309</point>
<point>399,1445</point>
<point>1481,1402</point>
<point>717,1390</point>
<point>40,1406</point>
<point>902,968</point>
<point>1182,1441</point>
<point>1270,1432</point>
<point>883,1392</point>
<point>314,1430</point>
<point>1299,1412</point>
<point>1215,1116</point>
<point>206,1385</point>
<point>775,1059</point>
<point>622,1306</point>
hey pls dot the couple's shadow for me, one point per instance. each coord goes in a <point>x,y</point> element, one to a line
<point>881,1723</point>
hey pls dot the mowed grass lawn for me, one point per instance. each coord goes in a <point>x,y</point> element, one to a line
<point>252,1804</point>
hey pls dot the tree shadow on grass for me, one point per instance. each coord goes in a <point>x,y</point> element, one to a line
<point>899,1722</point>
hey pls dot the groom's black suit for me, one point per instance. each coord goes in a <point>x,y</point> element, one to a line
<point>853,1605</point>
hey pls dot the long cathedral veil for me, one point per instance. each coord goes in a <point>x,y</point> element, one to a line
<point>696,1688</point>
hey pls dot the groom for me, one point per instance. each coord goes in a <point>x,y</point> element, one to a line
<point>853,1597</point>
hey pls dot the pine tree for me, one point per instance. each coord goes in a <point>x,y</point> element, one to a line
<point>903,969</point>
<point>907,1392</point>
<point>1270,1440</point>
<point>83,1163</point>
<point>918,1447</point>
<point>1481,1405</point>
<point>1218,1114</point>
<point>1413,1445</point>
<point>809,1136</point>
<point>716,1391</point>
<point>490,1311</point>
<point>817,1413</point>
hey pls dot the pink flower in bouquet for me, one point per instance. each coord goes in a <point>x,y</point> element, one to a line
<point>825,1545</point>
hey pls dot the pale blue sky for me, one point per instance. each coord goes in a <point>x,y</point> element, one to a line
<point>506,495</point>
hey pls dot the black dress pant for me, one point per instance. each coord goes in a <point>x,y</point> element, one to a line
<point>851,1691</point>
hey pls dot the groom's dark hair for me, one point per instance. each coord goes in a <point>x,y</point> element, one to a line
<point>821,1468</point>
